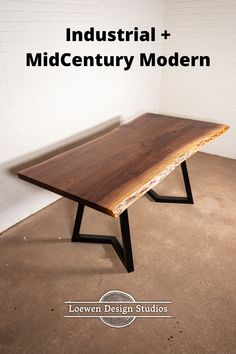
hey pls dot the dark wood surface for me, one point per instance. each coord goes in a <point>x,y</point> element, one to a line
<point>112,171</point>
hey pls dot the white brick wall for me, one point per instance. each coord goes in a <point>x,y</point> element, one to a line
<point>206,27</point>
<point>43,106</point>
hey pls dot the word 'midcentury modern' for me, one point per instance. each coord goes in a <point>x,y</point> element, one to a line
<point>151,59</point>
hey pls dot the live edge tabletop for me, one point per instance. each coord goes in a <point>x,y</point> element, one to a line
<point>111,172</point>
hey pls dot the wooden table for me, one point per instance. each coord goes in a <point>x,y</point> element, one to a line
<point>111,172</point>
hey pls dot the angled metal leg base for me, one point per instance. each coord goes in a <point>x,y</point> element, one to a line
<point>167,199</point>
<point>124,253</point>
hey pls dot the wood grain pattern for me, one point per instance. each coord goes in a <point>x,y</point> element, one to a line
<point>113,171</point>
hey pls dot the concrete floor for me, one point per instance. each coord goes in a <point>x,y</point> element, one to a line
<point>183,253</point>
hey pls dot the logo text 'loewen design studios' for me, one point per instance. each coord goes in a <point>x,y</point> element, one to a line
<point>117,309</point>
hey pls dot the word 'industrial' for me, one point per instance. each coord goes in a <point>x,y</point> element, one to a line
<point>111,36</point>
<point>151,59</point>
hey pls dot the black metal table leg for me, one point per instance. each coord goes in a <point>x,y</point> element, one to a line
<point>126,240</point>
<point>167,199</point>
<point>124,253</point>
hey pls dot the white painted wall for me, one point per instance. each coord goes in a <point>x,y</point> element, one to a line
<point>40,107</point>
<point>205,27</point>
